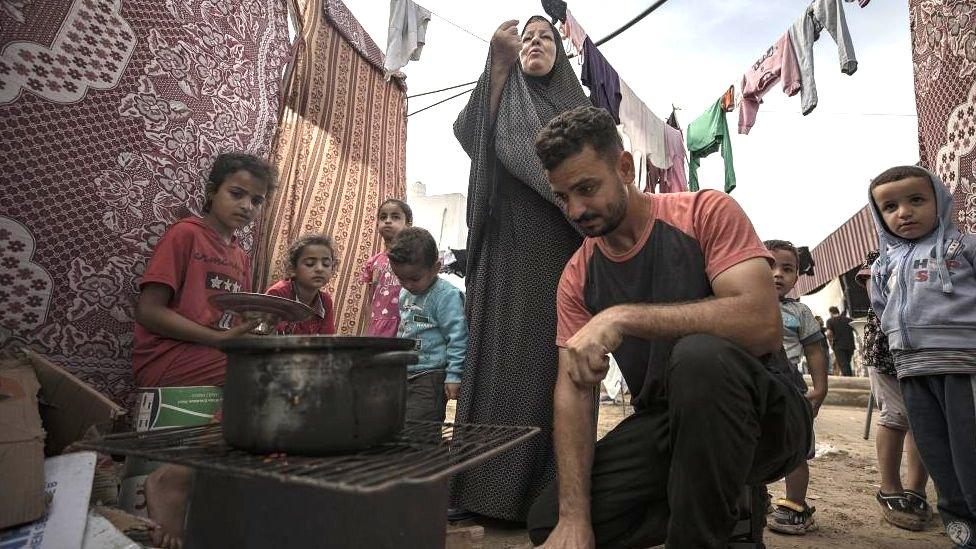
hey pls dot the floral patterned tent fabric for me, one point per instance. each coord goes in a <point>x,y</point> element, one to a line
<point>944,55</point>
<point>111,113</point>
<point>340,151</point>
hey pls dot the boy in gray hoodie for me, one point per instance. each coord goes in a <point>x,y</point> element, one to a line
<point>924,290</point>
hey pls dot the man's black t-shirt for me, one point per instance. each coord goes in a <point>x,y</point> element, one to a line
<point>690,239</point>
<point>840,326</point>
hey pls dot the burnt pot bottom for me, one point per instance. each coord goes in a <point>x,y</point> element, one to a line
<point>314,401</point>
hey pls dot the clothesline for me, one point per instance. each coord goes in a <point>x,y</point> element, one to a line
<point>606,38</point>
<point>439,102</point>
<point>908,115</point>
<point>650,9</point>
<point>442,89</point>
<point>627,25</point>
<point>458,26</point>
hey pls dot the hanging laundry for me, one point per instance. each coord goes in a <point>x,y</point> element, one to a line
<point>601,79</point>
<point>571,29</point>
<point>644,128</point>
<point>673,120</point>
<point>707,134</point>
<point>779,62</point>
<point>673,179</point>
<point>821,14</point>
<point>557,9</point>
<point>677,177</point>
<point>727,101</point>
<point>862,3</point>
<point>406,36</point>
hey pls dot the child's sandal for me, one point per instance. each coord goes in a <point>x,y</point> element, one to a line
<point>920,505</point>
<point>899,511</point>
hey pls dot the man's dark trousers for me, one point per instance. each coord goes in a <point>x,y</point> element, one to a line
<point>843,357</point>
<point>673,472</point>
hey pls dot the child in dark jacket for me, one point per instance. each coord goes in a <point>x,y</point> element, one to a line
<point>923,287</point>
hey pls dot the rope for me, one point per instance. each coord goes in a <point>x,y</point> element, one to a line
<point>460,27</point>
<point>603,40</point>
<point>631,23</point>
<point>441,101</point>
<point>440,90</point>
<point>798,113</point>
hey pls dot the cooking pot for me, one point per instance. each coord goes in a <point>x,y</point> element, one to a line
<point>314,395</point>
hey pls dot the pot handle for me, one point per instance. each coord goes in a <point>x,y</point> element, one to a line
<point>393,358</point>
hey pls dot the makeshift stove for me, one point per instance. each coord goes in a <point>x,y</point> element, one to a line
<point>391,495</point>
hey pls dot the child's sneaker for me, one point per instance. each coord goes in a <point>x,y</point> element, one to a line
<point>898,510</point>
<point>792,518</point>
<point>920,505</point>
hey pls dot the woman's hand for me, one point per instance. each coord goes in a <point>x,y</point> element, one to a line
<point>505,45</point>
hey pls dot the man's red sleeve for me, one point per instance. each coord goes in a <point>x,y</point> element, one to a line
<point>571,312</point>
<point>725,233</point>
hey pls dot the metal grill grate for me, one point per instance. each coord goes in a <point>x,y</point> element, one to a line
<point>422,452</point>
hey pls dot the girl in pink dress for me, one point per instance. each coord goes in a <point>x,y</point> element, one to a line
<point>384,317</point>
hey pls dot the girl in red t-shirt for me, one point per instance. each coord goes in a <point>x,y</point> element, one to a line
<point>312,260</point>
<point>177,330</point>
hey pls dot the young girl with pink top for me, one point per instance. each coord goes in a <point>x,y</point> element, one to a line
<point>384,316</point>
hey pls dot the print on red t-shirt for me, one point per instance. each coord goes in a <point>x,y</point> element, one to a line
<point>196,263</point>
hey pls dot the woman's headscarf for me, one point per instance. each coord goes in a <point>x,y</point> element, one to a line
<point>527,103</point>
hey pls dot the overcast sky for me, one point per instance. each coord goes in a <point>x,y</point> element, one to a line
<point>798,177</point>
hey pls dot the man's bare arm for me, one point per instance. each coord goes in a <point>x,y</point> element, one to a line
<point>744,310</point>
<point>573,438</point>
<point>573,434</point>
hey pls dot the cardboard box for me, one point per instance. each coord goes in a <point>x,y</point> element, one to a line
<point>68,406</point>
<point>21,446</point>
<point>68,483</point>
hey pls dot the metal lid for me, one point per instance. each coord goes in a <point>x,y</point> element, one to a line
<point>274,343</point>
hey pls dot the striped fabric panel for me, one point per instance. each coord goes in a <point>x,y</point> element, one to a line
<point>340,150</point>
<point>840,252</point>
<point>935,361</point>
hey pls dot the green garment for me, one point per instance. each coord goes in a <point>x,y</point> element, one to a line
<point>705,135</point>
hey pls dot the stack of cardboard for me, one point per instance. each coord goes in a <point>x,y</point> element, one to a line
<point>43,409</point>
<point>21,445</point>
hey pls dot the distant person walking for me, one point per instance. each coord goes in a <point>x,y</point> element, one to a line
<point>824,344</point>
<point>841,337</point>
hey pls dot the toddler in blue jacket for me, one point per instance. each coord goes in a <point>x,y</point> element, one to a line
<point>924,290</point>
<point>432,314</point>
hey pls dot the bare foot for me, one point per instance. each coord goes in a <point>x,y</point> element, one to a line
<point>167,493</point>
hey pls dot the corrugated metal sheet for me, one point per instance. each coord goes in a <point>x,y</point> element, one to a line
<point>840,252</point>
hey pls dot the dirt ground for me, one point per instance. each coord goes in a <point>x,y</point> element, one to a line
<point>842,487</point>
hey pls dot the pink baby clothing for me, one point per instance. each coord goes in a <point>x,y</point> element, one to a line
<point>571,29</point>
<point>384,316</point>
<point>675,178</point>
<point>779,62</point>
